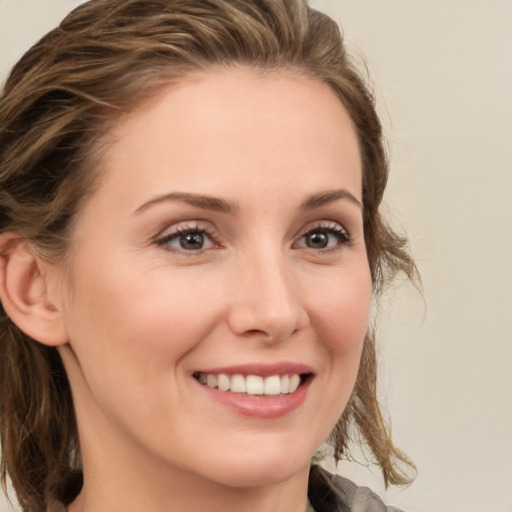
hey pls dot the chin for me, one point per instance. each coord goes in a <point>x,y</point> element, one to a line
<point>247,476</point>
<point>244,470</point>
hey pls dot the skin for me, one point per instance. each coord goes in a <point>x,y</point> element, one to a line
<point>142,314</point>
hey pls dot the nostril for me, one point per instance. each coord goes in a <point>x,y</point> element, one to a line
<point>257,332</point>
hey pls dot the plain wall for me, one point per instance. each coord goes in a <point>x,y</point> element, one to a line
<point>443,80</point>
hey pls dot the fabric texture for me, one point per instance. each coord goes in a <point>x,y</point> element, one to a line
<point>333,493</point>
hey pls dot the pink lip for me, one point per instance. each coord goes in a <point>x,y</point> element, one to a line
<point>263,370</point>
<point>258,406</point>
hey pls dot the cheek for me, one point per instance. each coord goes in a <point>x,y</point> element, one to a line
<point>343,312</point>
<point>137,323</point>
<point>129,336</point>
<point>173,313</point>
<point>340,319</point>
<point>342,323</point>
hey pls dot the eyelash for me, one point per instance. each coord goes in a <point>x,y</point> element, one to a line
<point>189,229</point>
<point>329,228</point>
<point>204,231</point>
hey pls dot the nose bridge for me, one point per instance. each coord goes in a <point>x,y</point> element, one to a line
<point>266,302</point>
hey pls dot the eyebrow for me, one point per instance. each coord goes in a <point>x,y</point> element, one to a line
<point>217,204</point>
<point>198,200</point>
<point>323,198</point>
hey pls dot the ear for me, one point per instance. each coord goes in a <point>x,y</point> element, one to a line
<point>24,292</point>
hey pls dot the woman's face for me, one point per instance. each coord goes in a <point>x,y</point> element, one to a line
<point>224,246</point>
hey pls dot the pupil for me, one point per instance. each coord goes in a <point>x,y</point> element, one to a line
<point>192,241</point>
<point>317,240</point>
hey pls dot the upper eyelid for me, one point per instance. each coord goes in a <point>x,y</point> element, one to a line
<point>326,224</point>
<point>178,227</point>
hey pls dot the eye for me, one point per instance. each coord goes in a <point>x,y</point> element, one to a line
<point>187,239</point>
<point>324,237</point>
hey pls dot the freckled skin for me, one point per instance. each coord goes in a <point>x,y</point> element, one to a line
<point>144,308</point>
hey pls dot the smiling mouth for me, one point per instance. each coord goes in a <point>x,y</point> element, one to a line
<point>254,385</point>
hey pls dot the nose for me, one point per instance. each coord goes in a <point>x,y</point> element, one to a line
<point>265,301</point>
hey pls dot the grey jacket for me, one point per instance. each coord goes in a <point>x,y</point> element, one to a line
<point>333,493</point>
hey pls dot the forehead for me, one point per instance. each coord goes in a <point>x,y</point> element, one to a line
<point>238,123</point>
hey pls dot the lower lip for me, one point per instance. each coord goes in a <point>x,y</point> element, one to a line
<point>260,406</point>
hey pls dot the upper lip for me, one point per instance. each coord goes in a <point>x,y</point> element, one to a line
<point>263,370</point>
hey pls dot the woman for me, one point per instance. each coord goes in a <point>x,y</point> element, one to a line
<point>190,244</point>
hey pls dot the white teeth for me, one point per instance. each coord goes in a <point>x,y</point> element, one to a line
<point>223,382</point>
<point>211,381</point>
<point>294,383</point>
<point>252,384</point>
<point>238,384</point>
<point>285,384</point>
<point>272,385</point>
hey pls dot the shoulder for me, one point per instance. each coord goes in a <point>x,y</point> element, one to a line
<point>333,493</point>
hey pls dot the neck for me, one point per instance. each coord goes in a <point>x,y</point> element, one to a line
<point>191,494</point>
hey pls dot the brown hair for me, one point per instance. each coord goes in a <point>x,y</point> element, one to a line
<point>57,106</point>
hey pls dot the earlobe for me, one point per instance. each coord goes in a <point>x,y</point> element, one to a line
<point>24,292</point>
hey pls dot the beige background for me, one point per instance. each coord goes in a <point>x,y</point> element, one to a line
<point>443,75</point>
